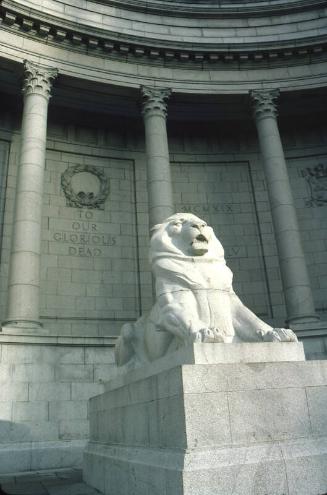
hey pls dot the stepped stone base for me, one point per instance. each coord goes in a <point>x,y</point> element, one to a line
<point>231,428</point>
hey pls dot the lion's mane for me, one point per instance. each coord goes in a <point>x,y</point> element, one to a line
<point>174,268</point>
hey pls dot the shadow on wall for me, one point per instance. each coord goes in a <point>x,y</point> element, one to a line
<point>11,432</point>
<point>15,447</point>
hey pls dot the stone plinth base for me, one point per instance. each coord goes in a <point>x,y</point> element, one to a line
<point>212,429</point>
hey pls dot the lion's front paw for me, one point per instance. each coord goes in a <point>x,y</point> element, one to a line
<point>209,335</point>
<point>286,335</point>
<point>202,335</point>
<point>278,335</point>
<point>219,336</point>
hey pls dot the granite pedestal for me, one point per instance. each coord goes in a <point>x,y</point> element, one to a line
<point>198,423</point>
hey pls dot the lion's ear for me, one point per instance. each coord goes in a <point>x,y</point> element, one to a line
<point>174,228</point>
<point>155,228</point>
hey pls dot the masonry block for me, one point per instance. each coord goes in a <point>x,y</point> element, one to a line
<point>31,411</point>
<point>74,373</point>
<point>67,410</point>
<point>48,391</point>
<point>229,428</point>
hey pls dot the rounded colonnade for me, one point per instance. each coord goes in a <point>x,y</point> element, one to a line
<point>152,50</point>
<point>117,114</point>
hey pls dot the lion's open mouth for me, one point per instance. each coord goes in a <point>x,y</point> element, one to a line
<point>199,246</point>
<point>201,238</point>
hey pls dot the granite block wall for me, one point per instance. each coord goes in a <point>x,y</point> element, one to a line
<point>309,182</point>
<point>96,275</point>
<point>44,392</point>
<point>95,271</point>
<point>223,193</point>
<point>5,203</point>
<point>90,261</point>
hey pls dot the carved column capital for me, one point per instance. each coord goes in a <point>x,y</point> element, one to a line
<point>264,102</point>
<point>38,79</point>
<point>154,100</point>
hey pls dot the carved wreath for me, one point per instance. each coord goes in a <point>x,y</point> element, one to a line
<point>316,178</point>
<point>83,199</point>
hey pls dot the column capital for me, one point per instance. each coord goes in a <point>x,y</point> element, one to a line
<point>38,79</point>
<point>154,100</point>
<point>264,102</point>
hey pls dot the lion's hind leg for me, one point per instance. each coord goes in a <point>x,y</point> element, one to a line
<point>130,346</point>
<point>124,349</point>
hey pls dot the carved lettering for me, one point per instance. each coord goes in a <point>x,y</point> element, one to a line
<point>235,252</point>
<point>228,208</point>
<point>57,236</point>
<point>316,178</point>
<point>84,226</point>
<point>84,239</point>
<point>84,251</point>
<point>78,238</point>
<point>86,214</point>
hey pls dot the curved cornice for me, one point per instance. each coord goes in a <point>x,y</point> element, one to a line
<point>74,36</point>
<point>219,8</point>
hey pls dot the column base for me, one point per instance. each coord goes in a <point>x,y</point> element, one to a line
<point>314,338</point>
<point>302,320</point>
<point>17,327</point>
<point>309,328</point>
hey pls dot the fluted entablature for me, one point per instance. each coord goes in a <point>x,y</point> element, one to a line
<point>195,46</point>
<point>154,100</point>
<point>178,32</point>
<point>38,79</point>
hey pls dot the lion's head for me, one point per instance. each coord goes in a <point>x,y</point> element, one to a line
<point>185,235</point>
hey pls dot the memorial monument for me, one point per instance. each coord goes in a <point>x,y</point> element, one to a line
<point>115,114</point>
<point>210,400</point>
<point>195,298</point>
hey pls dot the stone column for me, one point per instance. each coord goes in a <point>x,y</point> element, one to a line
<point>160,192</point>
<point>24,274</point>
<point>295,278</point>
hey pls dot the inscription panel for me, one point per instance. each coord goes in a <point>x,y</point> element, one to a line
<point>85,237</point>
<point>222,194</point>
<point>89,254</point>
<point>308,176</point>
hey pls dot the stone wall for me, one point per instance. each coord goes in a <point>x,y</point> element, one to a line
<point>308,176</point>
<point>8,167</point>
<point>224,193</point>
<point>95,272</point>
<point>90,262</point>
<point>44,395</point>
<point>94,260</point>
<point>4,158</point>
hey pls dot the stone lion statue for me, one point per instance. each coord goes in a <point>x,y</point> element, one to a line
<point>195,301</point>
